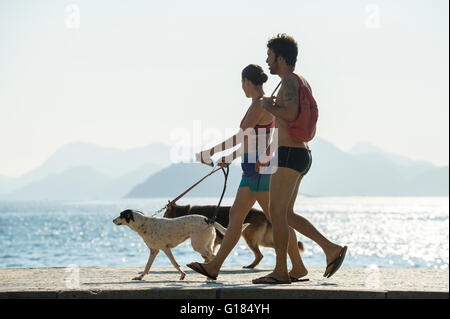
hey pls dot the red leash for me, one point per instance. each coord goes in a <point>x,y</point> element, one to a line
<point>172,202</point>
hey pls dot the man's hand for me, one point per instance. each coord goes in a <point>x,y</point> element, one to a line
<point>268,102</point>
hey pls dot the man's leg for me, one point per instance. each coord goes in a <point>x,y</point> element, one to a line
<point>303,226</point>
<point>298,268</point>
<point>282,186</point>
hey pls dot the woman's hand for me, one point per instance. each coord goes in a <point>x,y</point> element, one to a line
<point>204,157</point>
<point>260,168</point>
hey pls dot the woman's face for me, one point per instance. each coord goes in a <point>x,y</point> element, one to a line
<point>246,86</point>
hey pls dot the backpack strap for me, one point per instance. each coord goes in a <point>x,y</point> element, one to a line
<point>274,91</point>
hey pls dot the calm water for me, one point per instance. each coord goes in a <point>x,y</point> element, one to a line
<point>382,231</point>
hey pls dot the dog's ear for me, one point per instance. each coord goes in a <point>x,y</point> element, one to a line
<point>171,211</point>
<point>168,211</point>
<point>127,215</point>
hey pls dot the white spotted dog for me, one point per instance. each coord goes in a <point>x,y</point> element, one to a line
<point>166,233</point>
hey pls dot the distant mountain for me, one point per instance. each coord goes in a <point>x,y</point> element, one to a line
<point>111,162</point>
<point>370,173</point>
<point>430,183</point>
<point>119,187</point>
<point>333,173</point>
<point>108,173</point>
<point>78,183</point>
<point>172,181</point>
<point>4,182</point>
<point>366,148</point>
<point>82,183</point>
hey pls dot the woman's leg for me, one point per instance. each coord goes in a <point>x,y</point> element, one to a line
<point>298,268</point>
<point>242,204</point>
<point>303,226</point>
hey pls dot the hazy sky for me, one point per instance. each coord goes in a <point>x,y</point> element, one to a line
<point>127,73</point>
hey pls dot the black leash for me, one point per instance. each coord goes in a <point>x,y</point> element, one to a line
<point>212,220</point>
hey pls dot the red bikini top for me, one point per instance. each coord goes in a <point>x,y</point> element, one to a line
<point>267,126</point>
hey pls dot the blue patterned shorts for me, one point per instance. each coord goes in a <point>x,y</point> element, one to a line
<point>256,182</point>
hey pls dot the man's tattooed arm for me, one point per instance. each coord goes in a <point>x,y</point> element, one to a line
<point>290,108</point>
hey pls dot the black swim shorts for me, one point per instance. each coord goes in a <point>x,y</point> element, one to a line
<point>297,158</point>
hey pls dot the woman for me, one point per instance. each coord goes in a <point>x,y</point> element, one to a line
<point>254,187</point>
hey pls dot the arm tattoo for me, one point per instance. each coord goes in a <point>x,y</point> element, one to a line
<point>290,91</point>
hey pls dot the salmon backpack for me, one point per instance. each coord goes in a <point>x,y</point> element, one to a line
<point>303,128</point>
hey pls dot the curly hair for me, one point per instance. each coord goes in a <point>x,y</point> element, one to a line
<point>285,46</point>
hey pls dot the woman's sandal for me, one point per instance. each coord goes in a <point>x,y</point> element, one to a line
<point>337,262</point>
<point>197,267</point>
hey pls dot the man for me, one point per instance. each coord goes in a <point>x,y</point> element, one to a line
<point>294,161</point>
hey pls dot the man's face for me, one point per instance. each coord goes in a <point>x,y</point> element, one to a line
<point>272,62</point>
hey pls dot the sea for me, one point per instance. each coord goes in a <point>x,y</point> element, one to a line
<point>383,232</point>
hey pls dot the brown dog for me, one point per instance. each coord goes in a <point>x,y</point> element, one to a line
<point>258,232</point>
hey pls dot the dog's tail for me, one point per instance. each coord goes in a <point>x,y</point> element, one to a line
<point>223,230</point>
<point>301,247</point>
<point>220,228</point>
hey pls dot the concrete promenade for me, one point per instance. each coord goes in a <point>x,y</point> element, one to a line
<point>233,283</point>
